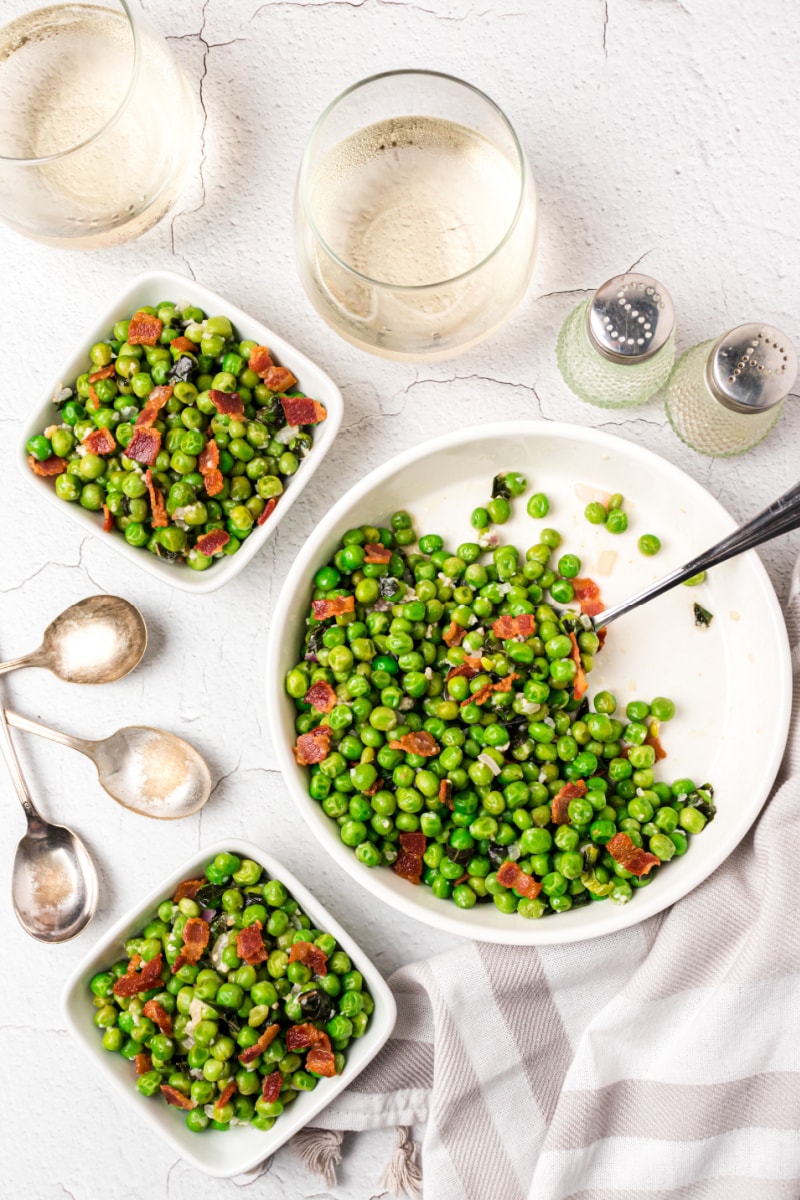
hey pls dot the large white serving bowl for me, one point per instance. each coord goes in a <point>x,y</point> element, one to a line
<point>731,681</point>
<point>155,287</point>
<point>242,1148</point>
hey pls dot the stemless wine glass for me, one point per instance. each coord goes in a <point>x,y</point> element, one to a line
<point>96,124</point>
<point>415,216</point>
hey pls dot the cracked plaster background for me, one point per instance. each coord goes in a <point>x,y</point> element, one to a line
<point>660,133</point>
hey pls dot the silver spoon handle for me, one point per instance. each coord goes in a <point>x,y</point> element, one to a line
<point>17,778</point>
<point>45,731</point>
<point>781,516</point>
<point>27,660</point>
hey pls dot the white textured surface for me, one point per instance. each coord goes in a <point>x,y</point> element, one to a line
<point>660,133</point>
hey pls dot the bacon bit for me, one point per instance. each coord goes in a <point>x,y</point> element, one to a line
<point>415,843</point>
<point>207,464</point>
<point>299,1037</point>
<point>183,344</point>
<point>587,593</point>
<point>374,552</point>
<point>483,694</point>
<point>103,373</point>
<point>108,519</point>
<point>512,876</point>
<point>310,956</point>
<point>631,857</point>
<point>228,404</point>
<point>418,742</point>
<point>155,402</point>
<point>260,360</point>
<point>94,400</point>
<point>171,1094</point>
<point>508,627</point>
<point>654,740</point>
<point>138,981</point>
<point>271,1087</point>
<point>602,634</point>
<point>312,747</point>
<point>100,441</point>
<point>225,1095</point>
<point>581,686</point>
<point>158,512</point>
<point>144,446</point>
<point>51,466</point>
<point>560,802</point>
<point>333,607</point>
<point>300,410</point>
<point>446,793</point>
<point>266,1039</point>
<point>196,933</point>
<point>469,668</point>
<point>278,379</point>
<point>321,1062</point>
<point>143,1062</point>
<point>409,862</point>
<point>374,787</point>
<point>188,889</point>
<point>269,509</point>
<point>212,542</point>
<point>454,634</point>
<point>134,964</point>
<point>250,944</point>
<point>144,329</point>
<point>156,1012</point>
<point>321,696</point>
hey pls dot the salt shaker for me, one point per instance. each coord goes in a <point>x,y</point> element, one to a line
<point>724,396</point>
<point>617,348</point>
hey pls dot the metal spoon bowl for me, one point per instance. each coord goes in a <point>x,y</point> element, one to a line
<point>97,640</point>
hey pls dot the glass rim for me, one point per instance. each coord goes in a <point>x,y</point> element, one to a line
<point>123,104</point>
<point>413,287</point>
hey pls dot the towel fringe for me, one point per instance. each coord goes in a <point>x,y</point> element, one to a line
<point>320,1152</point>
<point>403,1175</point>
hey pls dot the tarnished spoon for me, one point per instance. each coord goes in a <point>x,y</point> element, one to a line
<point>149,771</point>
<point>97,640</point>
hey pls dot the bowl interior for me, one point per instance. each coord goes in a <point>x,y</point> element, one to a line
<point>655,651</point>
<point>240,1148</point>
<point>152,288</point>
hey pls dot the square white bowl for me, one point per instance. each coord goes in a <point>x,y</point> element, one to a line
<point>240,1148</point>
<point>150,288</point>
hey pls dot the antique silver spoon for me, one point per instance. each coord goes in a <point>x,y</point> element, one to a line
<point>97,640</point>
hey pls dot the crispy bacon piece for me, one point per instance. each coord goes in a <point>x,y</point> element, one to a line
<point>587,593</point>
<point>103,373</point>
<point>483,694</point>
<point>415,843</point>
<point>559,805</point>
<point>155,402</point>
<point>298,410</point>
<point>446,793</point>
<point>158,512</point>
<point>271,1087</point>
<point>143,1063</point>
<point>409,861</point>
<point>299,1037</point>
<point>311,956</point>
<point>580,686</point>
<point>250,944</point>
<point>108,519</point>
<point>144,329</point>
<point>654,740</point>
<point>188,889</point>
<point>156,1012</point>
<point>332,607</point>
<point>225,1095</point>
<point>269,509</point>
<point>213,481</point>
<point>375,552</point>
<point>228,404</point>
<point>171,1094</point>
<point>321,696</point>
<point>512,876</point>
<point>418,742</point>
<point>602,634</point>
<point>260,360</point>
<point>374,787</point>
<point>312,747</point>
<point>280,379</point>
<point>631,857</point>
<point>138,981</point>
<point>208,466</point>
<point>94,400</point>
<point>144,446</point>
<point>509,627</point>
<point>212,542</point>
<point>196,933</point>
<point>184,344</point>
<point>100,441</point>
<point>454,634</point>
<point>266,1039</point>
<point>51,466</point>
<point>469,668</point>
<point>321,1062</point>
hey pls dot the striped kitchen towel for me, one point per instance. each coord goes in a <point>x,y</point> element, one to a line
<point>659,1063</point>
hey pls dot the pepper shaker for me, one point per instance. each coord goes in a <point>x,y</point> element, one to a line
<point>617,348</point>
<point>724,396</point>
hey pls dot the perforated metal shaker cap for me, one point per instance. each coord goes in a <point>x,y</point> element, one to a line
<point>630,318</point>
<point>751,368</point>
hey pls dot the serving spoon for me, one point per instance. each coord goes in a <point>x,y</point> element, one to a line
<point>97,640</point>
<point>782,516</point>
<point>148,771</point>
